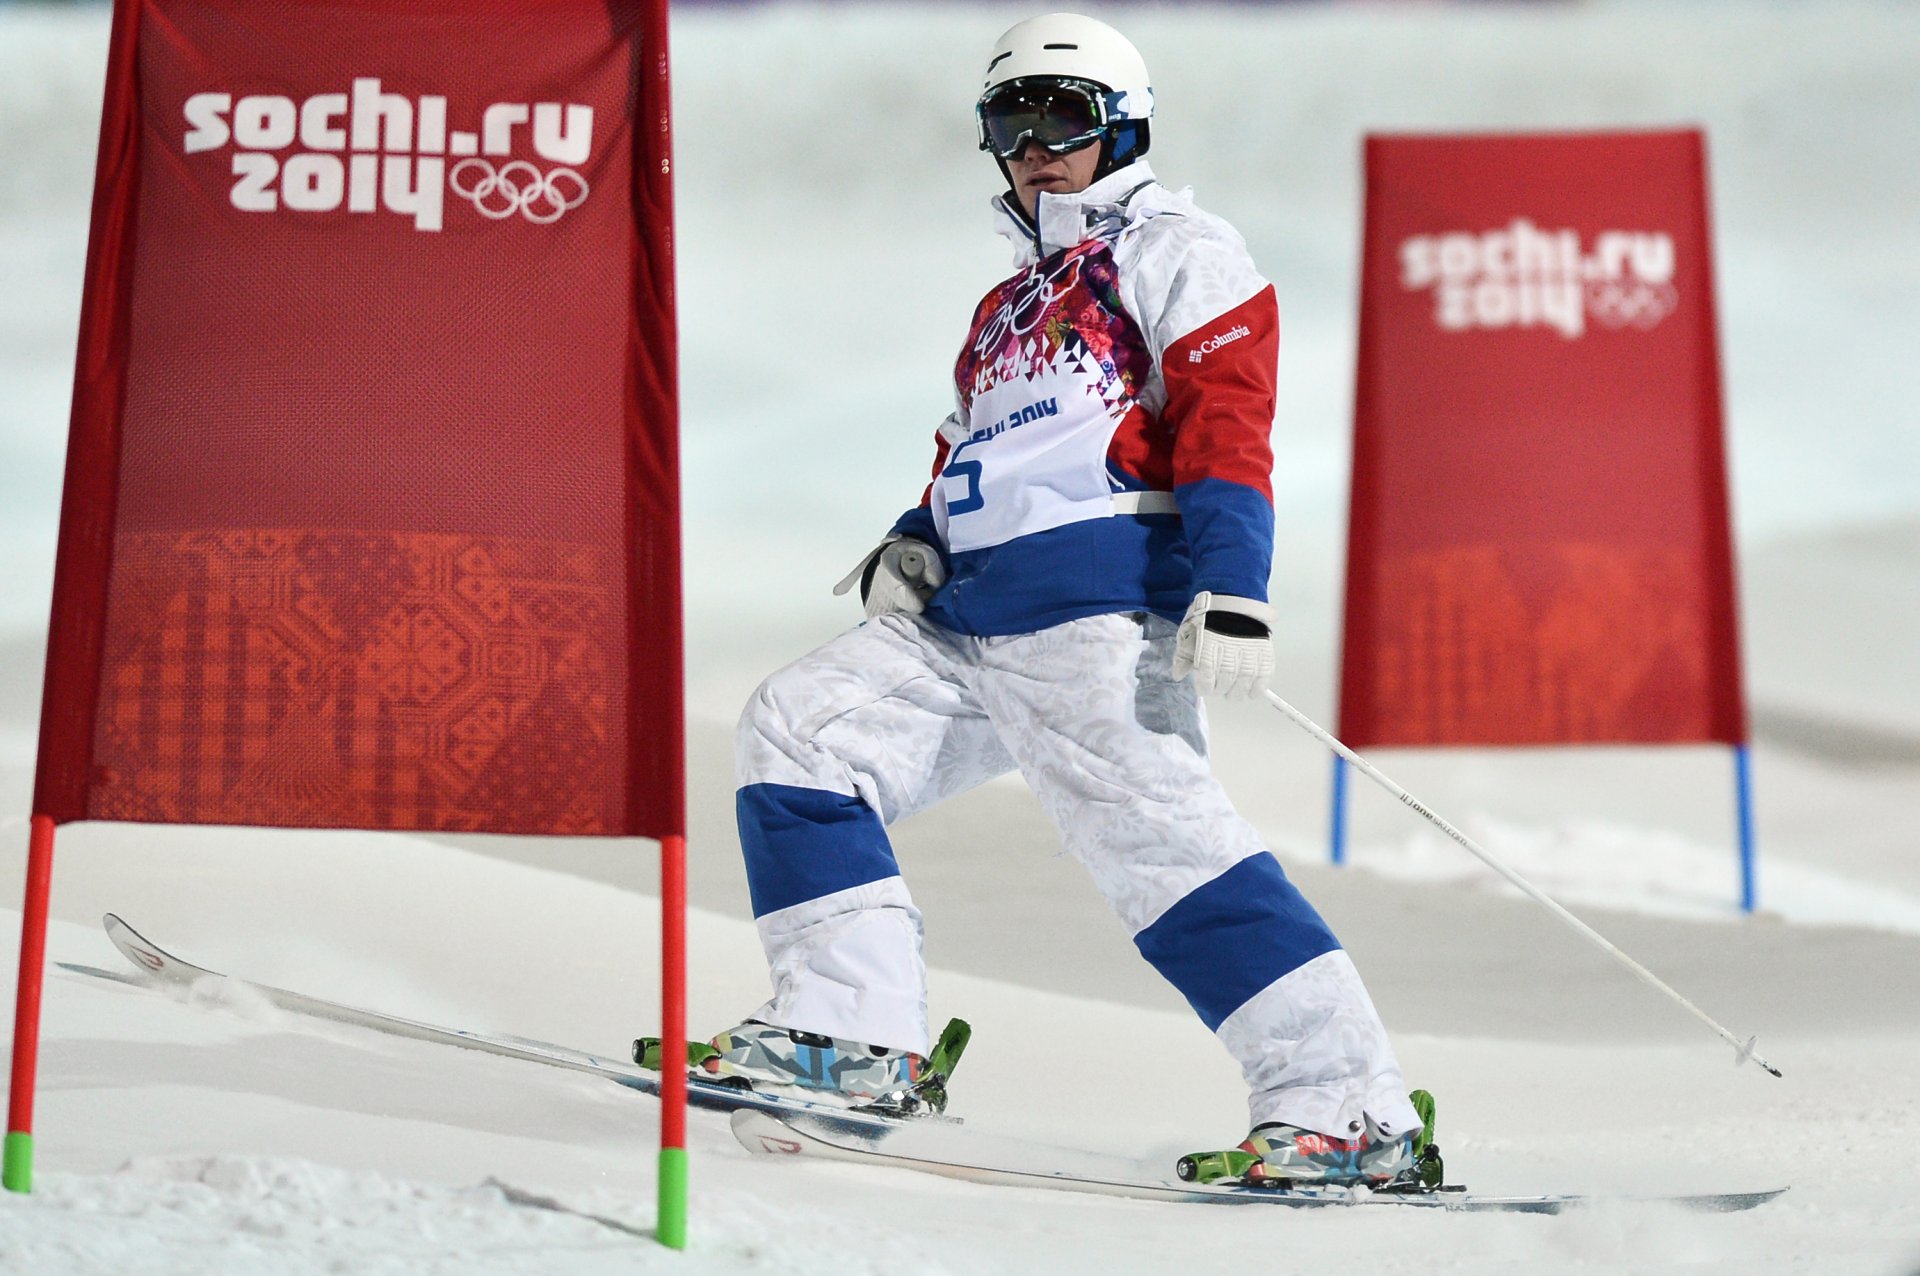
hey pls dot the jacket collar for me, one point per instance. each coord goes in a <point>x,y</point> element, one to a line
<point>1066,220</point>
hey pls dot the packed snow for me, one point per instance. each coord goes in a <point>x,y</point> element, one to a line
<point>833,239</point>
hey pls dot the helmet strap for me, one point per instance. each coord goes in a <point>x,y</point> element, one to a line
<point>1013,198</point>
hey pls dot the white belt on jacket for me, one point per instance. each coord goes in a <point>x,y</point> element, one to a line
<point>1144,503</point>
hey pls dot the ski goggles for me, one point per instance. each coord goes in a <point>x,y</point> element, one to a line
<point>1059,115</point>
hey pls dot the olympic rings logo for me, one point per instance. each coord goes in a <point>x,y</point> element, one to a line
<point>1641,305</point>
<point>518,187</point>
<point>1031,302</point>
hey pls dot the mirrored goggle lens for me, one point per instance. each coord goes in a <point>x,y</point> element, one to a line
<point>1058,120</point>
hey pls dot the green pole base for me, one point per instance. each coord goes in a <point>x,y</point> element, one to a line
<point>672,1228</point>
<point>18,1174</point>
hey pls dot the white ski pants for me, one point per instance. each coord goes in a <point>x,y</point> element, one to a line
<point>896,715</point>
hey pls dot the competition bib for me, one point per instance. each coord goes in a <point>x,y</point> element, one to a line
<point>1050,369</point>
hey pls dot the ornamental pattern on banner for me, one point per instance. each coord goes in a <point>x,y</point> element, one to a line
<point>1565,643</point>
<point>335,678</point>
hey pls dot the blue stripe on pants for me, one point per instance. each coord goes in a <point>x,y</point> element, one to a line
<point>801,844</point>
<point>1228,939</point>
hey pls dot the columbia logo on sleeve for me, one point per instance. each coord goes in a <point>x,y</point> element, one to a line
<point>1213,343</point>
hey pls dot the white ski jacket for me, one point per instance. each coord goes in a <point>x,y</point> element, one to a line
<point>1110,449</point>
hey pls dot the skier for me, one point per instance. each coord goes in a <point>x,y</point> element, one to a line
<point>1091,555</point>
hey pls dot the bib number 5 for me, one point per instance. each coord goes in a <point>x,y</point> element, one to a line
<point>969,472</point>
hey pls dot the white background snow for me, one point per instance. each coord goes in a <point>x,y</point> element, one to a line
<point>833,240</point>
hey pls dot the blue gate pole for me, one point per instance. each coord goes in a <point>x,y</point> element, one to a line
<point>1339,810</point>
<point>1743,796</point>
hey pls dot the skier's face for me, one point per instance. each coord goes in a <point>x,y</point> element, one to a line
<point>1037,169</point>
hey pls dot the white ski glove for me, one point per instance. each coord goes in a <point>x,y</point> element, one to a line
<point>1227,644</point>
<point>899,575</point>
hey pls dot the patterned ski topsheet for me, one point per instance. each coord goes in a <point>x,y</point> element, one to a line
<point>162,966</point>
<point>777,1135</point>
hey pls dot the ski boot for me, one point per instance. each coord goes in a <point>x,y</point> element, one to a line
<point>1276,1155</point>
<point>759,1056</point>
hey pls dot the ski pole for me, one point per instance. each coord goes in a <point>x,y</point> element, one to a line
<point>1744,1049</point>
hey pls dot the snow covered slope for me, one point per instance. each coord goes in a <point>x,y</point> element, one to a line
<point>181,1137</point>
<point>833,239</point>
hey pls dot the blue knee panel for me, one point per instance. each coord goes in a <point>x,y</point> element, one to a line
<point>1228,939</point>
<point>801,844</point>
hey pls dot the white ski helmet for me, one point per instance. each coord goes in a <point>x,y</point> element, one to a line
<point>1071,49</point>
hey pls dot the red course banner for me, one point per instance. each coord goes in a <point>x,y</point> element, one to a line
<point>1539,548</point>
<point>372,513</point>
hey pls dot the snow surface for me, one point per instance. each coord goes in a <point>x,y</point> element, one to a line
<point>832,241</point>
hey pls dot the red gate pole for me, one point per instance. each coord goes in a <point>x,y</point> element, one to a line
<point>671,1230</point>
<point>654,186</point>
<point>18,1174</point>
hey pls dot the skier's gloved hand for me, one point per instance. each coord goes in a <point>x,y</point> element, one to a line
<point>1227,644</point>
<point>899,575</point>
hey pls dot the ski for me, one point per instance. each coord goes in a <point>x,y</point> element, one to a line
<point>976,1158</point>
<point>780,1125</point>
<point>164,969</point>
